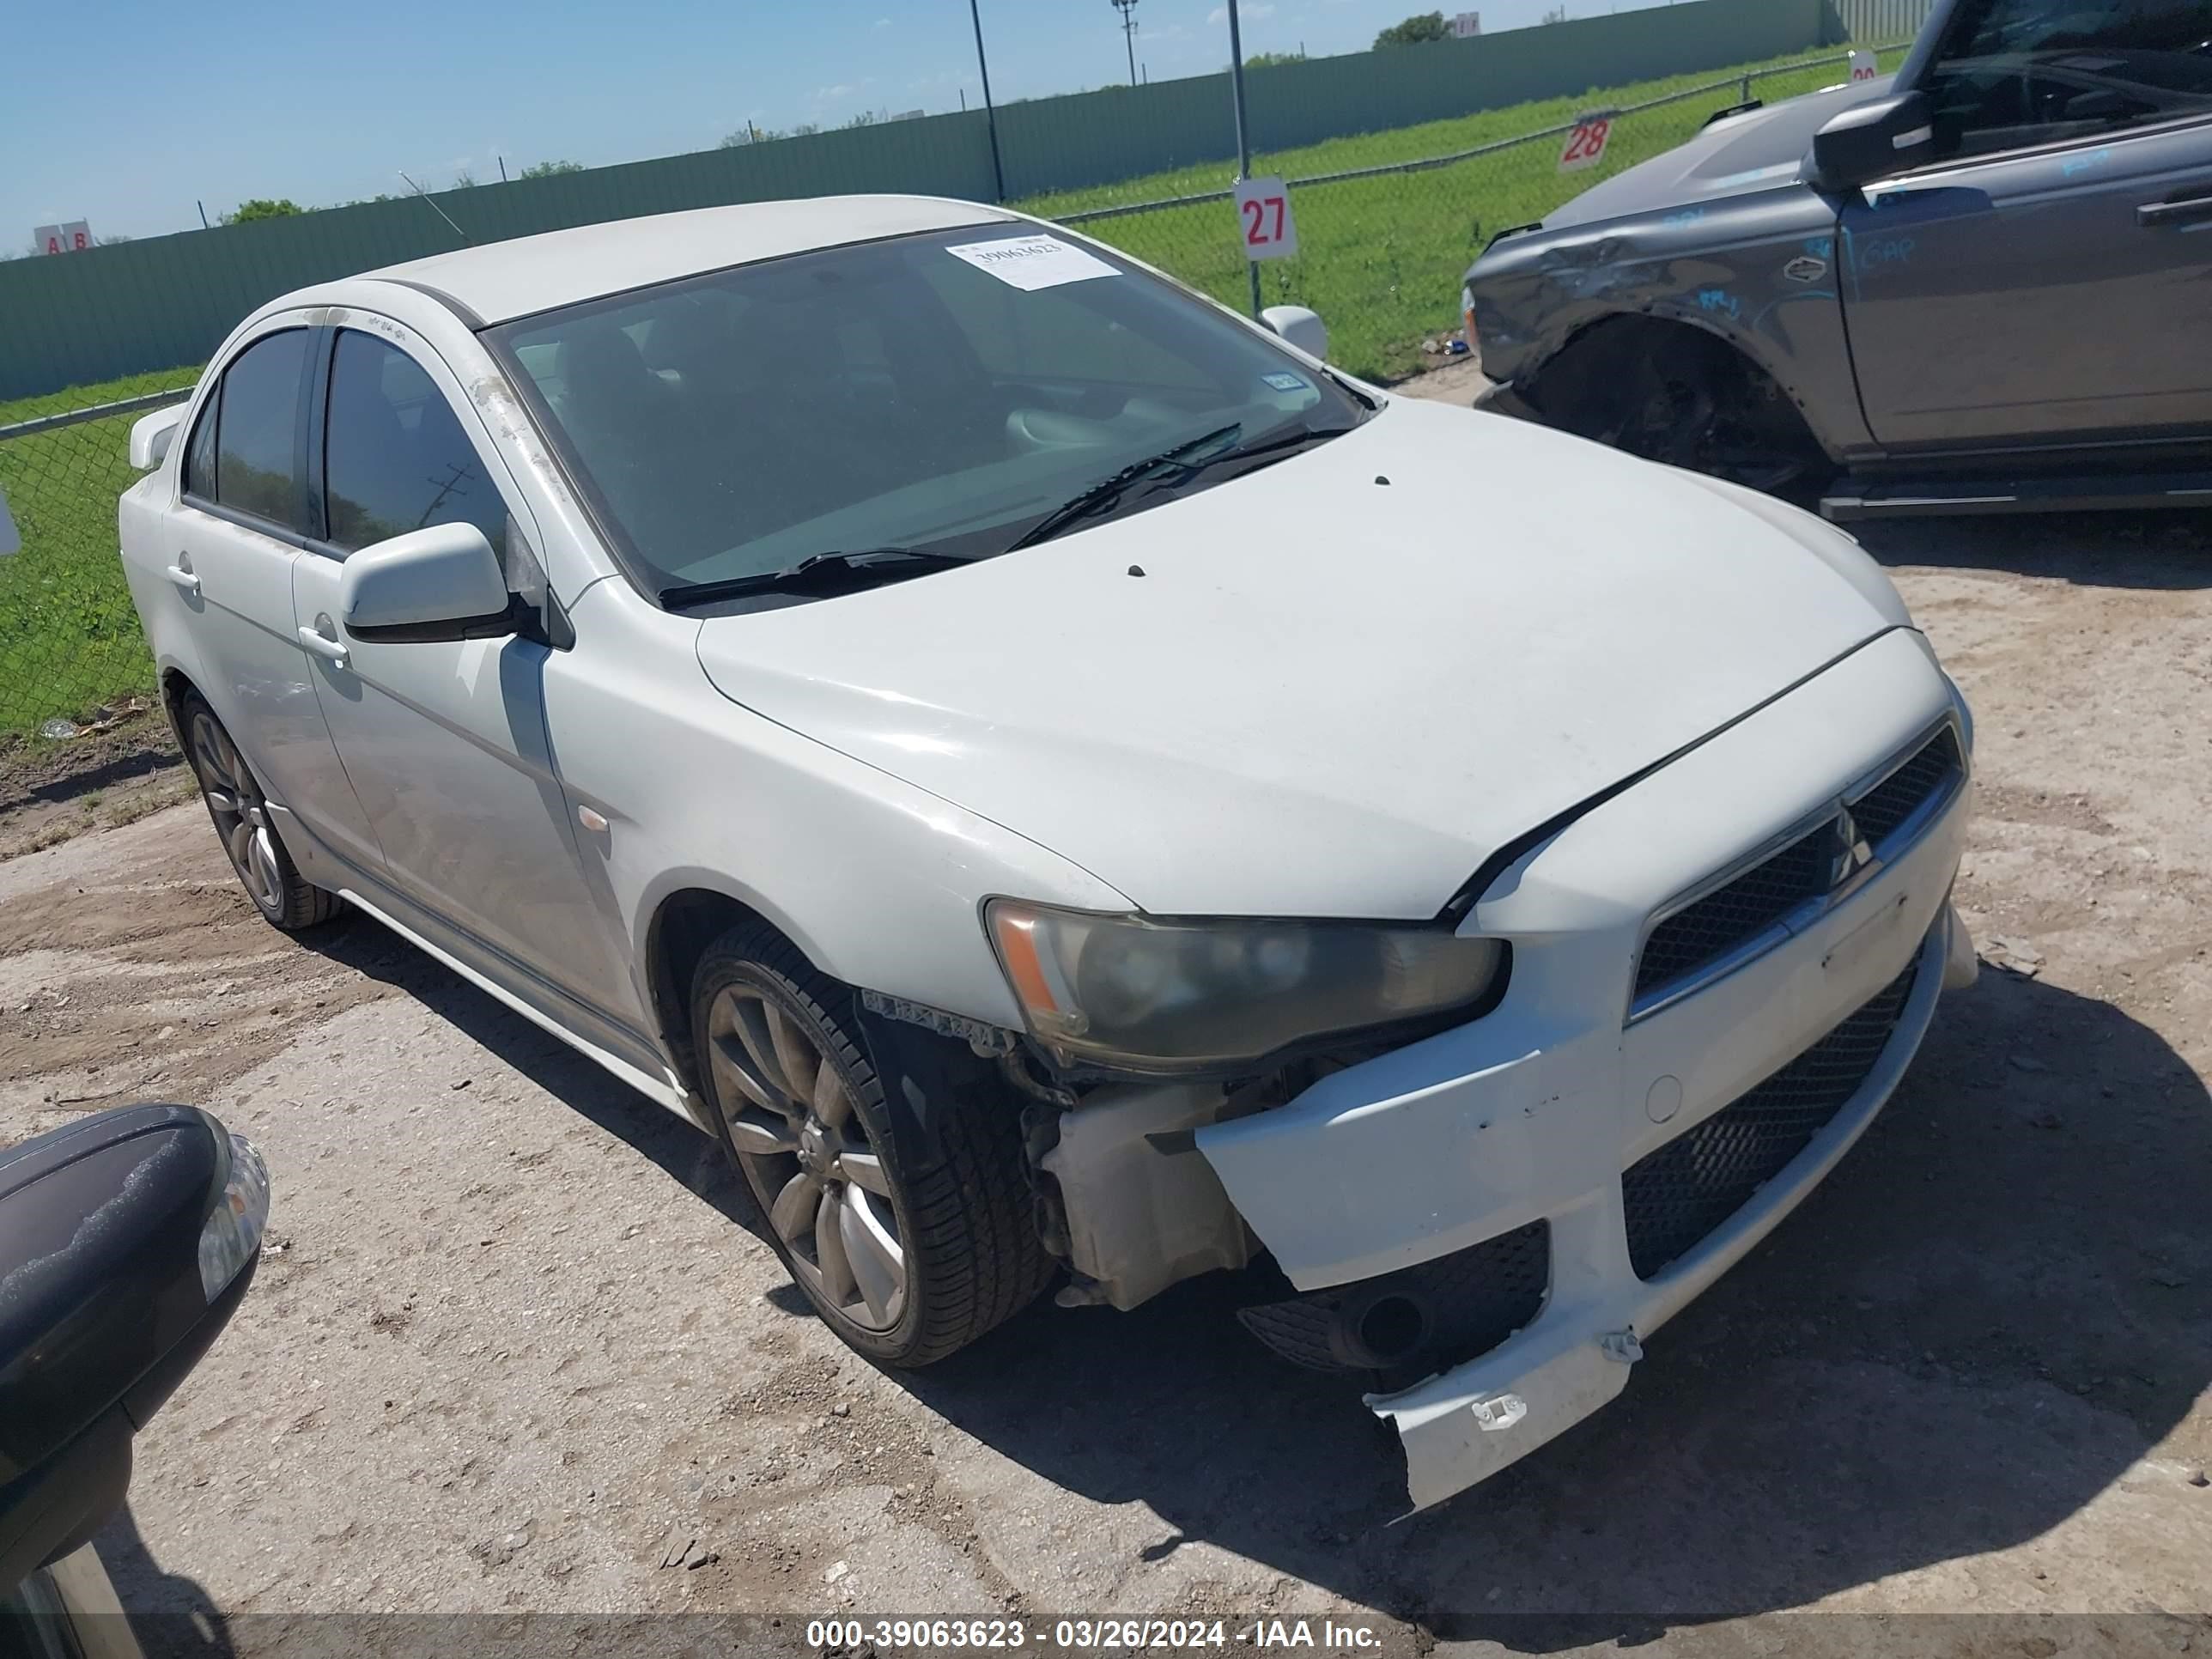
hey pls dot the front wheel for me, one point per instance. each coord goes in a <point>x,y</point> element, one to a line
<point>243,822</point>
<point>908,1256</point>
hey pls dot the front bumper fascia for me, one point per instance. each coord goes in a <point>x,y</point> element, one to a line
<point>1464,1426</point>
<point>1534,1112</point>
<point>1500,397</point>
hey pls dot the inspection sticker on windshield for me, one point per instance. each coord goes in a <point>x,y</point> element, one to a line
<point>1033,262</point>
<point>1286,381</point>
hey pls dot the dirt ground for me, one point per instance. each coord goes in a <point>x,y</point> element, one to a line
<point>514,1347</point>
<point>107,775</point>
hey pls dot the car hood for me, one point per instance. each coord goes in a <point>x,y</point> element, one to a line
<point>1753,151</point>
<point>1333,687</point>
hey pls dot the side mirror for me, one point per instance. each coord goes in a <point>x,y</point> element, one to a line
<point>442,583</point>
<point>152,434</point>
<point>1301,327</point>
<point>1872,141</point>
<point>127,1240</point>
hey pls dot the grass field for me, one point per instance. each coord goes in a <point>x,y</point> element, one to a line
<point>1380,258</point>
<point>68,639</point>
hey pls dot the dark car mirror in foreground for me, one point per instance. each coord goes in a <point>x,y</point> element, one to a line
<point>126,1241</point>
<point>1873,141</point>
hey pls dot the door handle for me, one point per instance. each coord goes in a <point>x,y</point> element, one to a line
<point>330,650</point>
<point>2155,216</point>
<point>181,574</point>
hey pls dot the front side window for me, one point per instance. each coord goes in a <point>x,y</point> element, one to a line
<point>245,452</point>
<point>2014,73</point>
<point>941,393</point>
<point>395,458</point>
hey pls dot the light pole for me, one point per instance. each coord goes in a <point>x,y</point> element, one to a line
<point>1128,10</point>
<point>1243,140</point>
<point>990,110</point>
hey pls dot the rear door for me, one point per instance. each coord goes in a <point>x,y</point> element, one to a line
<point>446,741</point>
<point>238,530</point>
<point>2044,282</point>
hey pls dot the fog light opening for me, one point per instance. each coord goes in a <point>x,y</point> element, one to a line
<point>1392,1327</point>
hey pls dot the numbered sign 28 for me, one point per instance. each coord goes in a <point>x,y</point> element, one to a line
<point>1264,224</point>
<point>1585,145</point>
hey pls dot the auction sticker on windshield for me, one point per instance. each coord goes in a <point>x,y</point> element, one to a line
<point>1033,262</point>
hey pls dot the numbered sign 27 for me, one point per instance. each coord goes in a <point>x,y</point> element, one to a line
<point>1264,224</point>
<point>1585,145</point>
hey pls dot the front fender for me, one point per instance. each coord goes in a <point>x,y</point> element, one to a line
<point>1760,271</point>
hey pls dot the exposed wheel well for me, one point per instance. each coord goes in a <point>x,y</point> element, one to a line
<point>175,686</point>
<point>687,922</point>
<point>1593,385</point>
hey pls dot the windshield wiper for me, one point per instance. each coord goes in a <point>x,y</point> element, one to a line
<point>821,573</point>
<point>1108,492</point>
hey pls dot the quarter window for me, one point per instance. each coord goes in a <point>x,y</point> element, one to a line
<point>395,458</point>
<point>245,452</point>
<point>2014,73</point>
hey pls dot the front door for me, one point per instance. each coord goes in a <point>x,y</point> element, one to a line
<point>446,741</point>
<point>239,535</point>
<point>2042,282</point>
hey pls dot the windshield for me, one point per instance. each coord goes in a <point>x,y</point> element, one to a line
<point>2014,73</point>
<point>947,392</point>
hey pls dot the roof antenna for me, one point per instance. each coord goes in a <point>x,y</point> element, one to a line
<point>434,208</point>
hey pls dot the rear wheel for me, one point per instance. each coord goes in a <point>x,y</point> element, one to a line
<point>243,822</point>
<point>908,1255</point>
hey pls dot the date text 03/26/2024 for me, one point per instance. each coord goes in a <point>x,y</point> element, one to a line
<point>935,1635</point>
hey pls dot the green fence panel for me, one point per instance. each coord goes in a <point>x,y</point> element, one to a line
<point>1876,20</point>
<point>75,319</point>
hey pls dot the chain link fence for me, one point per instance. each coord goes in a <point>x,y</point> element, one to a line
<point>1382,244</point>
<point>71,655</point>
<point>1381,248</point>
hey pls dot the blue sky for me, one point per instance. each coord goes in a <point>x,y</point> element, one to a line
<point>124,112</point>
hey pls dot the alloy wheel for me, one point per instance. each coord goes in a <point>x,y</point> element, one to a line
<point>809,1159</point>
<point>240,811</point>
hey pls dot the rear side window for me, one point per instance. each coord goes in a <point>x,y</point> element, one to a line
<point>395,457</point>
<point>245,452</point>
<point>2014,73</point>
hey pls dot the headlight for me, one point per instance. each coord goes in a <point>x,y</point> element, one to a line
<point>1140,995</point>
<point>232,1233</point>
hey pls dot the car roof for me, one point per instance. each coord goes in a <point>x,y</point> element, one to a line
<point>501,281</point>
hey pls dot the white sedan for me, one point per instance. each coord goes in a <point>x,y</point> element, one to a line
<point>1067,788</point>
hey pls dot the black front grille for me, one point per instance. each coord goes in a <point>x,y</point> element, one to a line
<point>1743,910</point>
<point>1465,1304</point>
<point>1889,803</point>
<point>1680,1192</point>
<point>1762,895</point>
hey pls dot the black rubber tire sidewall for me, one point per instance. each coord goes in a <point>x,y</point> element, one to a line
<point>304,904</point>
<point>973,1259</point>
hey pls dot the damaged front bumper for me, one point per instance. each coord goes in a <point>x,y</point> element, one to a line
<point>1463,1427</point>
<point>1617,1133</point>
<point>1499,398</point>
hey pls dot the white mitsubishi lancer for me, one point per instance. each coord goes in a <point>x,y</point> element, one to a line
<point>1063,784</point>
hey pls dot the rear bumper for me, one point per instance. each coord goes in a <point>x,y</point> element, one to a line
<point>1534,1113</point>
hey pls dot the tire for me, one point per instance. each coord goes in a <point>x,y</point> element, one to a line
<point>239,811</point>
<point>801,1114</point>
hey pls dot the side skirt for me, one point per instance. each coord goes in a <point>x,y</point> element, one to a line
<point>567,1019</point>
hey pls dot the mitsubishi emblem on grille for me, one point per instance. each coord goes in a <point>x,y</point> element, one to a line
<point>1849,851</point>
